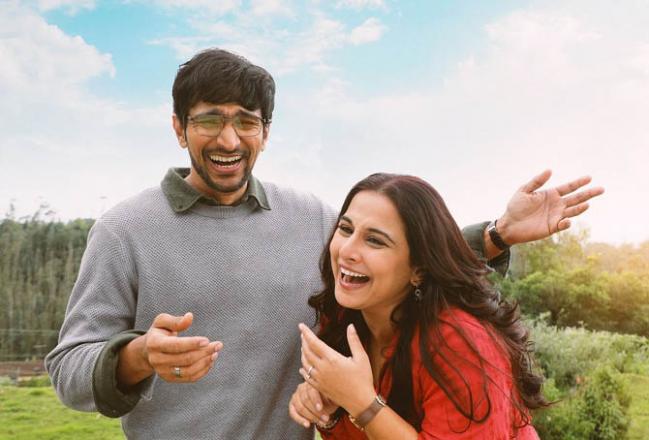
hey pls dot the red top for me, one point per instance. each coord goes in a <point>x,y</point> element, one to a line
<point>441,420</point>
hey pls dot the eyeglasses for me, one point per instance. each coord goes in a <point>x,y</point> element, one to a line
<point>212,124</point>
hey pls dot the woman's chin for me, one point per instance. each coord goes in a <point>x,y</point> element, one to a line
<point>346,300</point>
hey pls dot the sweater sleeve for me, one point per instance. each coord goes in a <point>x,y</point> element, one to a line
<point>474,236</point>
<point>488,398</point>
<point>101,305</point>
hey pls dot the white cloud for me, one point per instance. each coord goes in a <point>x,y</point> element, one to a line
<point>213,7</point>
<point>271,7</point>
<point>71,6</point>
<point>371,30</point>
<point>61,143</point>
<point>361,4</point>
<point>559,85</point>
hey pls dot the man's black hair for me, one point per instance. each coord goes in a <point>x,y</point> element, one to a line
<point>217,76</point>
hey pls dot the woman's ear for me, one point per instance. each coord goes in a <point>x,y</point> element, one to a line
<point>417,277</point>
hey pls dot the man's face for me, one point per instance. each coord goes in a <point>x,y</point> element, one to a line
<point>221,164</point>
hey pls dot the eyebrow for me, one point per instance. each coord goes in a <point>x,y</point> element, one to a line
<point>374,230</point>
<point>220,113</point>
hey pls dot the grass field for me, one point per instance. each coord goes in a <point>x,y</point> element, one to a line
<point>35,413</point>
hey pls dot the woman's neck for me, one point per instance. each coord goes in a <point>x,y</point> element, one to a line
<point>381,328</point>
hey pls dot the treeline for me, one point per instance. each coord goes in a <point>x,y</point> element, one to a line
<point>576,283</point>
<point>581,284</point>
<point>39,261</point>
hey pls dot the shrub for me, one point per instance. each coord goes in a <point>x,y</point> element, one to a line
<point>596,411</point>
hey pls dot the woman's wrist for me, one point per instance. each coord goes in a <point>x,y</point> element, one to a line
<point>360,402</point>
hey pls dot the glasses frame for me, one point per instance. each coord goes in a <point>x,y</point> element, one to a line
<point>228,120</point>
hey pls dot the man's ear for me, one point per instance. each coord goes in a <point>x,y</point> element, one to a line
<point>179,130</point>
<point>264,136</point>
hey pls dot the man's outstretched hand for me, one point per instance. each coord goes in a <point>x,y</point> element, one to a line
<point>533,213</point>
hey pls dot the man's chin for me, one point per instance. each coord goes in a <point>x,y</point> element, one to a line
<point>225,187</point>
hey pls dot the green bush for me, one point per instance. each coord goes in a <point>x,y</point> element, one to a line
<point>35,382</point>
<point>569,355</point>
<point>596,411</point>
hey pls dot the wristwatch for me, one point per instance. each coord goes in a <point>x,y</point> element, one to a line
<point>496,239</point>
<point>366,416</point>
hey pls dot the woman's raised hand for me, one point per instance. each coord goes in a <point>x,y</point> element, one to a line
<point>345,380</point>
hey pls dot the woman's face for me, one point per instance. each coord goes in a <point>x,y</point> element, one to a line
<point>370,257</point>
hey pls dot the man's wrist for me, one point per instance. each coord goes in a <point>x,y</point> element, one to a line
<point>503,228</point>
<point>133,366</point>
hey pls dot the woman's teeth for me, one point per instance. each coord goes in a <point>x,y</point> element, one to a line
<point>353,277</point>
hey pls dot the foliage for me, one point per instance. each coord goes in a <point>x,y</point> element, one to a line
<point>35,382</point>
<point>39,261</point>
<point>597,411</point>
<point>597,286</point>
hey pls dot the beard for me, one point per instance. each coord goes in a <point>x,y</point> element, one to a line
<point>205,175</point>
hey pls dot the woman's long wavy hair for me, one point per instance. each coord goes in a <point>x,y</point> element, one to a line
<point>452,276</point>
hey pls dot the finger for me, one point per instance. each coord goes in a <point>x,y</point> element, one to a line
<point>355,344</point>
<point>583,196</point>
<point>200,369</point>
<point>183,359</point>
<point>315,400</point>
<point>315,403</point>
<point>310,358</point>
<point>302,405</point>
<point>297,417</point>
<point>575,210</point>
<point>563,224</point>
<point>314,343</point>
<point>176,344</point>
<point>173,323</point>
<point>536,182</point>
<point>193,372</point>
<point>574,185</point>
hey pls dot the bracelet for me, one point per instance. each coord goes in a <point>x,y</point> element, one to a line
<point>366,416</point>
<point>329,425</point>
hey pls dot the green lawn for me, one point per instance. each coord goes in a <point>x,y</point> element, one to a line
<point>36,413</point>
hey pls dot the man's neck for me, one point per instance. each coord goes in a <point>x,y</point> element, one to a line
<point>222,198</point>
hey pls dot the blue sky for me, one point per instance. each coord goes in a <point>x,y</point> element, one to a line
<point>476,97</point>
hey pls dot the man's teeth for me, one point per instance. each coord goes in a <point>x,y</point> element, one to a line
<point>224,159</point>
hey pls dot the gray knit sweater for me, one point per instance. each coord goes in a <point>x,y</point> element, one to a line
<point>244,272</point>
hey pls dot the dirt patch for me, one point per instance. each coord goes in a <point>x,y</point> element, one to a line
<point>22,369</point>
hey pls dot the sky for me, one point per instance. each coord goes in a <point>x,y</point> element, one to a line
<point>475,97</point>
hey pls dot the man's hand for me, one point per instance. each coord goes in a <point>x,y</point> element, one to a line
<point>160,350</point>
<point>534,214</point>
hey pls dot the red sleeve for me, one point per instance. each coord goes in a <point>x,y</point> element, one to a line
<point>465,376</point>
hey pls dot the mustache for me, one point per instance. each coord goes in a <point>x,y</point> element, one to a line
<point>244,154</point>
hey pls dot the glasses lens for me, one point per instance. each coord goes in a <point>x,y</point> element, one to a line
<point>247,125</point>
<point>208,125</point>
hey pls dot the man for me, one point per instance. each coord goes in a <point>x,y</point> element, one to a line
<point>242,256</point>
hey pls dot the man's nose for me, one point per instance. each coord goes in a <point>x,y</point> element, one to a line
<point>228,139</point>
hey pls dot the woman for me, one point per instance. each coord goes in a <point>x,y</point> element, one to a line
<point>414,340</point>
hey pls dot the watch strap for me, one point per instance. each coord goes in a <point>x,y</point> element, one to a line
<point>369,413</point>
<point>495,237</point>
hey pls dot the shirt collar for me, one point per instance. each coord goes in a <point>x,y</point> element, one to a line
<point>182,196</point>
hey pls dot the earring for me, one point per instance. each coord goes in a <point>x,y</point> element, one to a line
<point>418,294</point>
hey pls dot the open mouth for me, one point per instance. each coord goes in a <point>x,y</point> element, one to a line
<point>349,277</point>
<point>226,161</point>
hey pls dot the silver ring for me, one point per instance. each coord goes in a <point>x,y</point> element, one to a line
<point>177,372</point>
<point>308,373</point>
